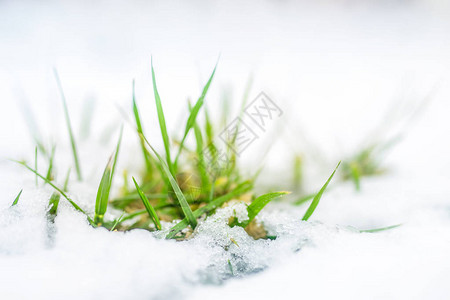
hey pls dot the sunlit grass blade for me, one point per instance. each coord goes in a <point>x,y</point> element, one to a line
<point>53,205</point>
<point>180,196</point>
<point>315,202</point>
<point>69,127</point>
<point>16,200</point>
<point>162,123</point>
<point>304,199</point>
<point>212,205</point>
<point>150,210</point>
<point>258,204</point>
<point>194,113</point>
<point>117,222</point>
<point>101,201</point>
<point>57,189</point>
<point>380,229</point>
<point>104,188</point>
<point>137,119</point>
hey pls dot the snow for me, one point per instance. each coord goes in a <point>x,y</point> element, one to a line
<point>333,68</point>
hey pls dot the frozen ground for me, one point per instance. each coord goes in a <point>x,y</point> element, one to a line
<point>334,69</point>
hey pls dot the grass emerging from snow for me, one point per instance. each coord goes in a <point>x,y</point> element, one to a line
<point>185,186</point>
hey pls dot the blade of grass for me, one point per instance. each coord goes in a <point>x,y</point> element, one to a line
<point>57,189</point>
<point>239,190</point>
<point>150,210</point>
<point>162,123</point>
<point>315,202</point>
<point>193,114</point>
<point>137,119</point>
<point>117,222</point>
<point>380,229</point>
<point>53,204</point>
<point>69,127</point>
<point>258,204</point>
<point>180,196</point>
<point>101,201</point>
<point>16,200</point>
<point>304,199</point>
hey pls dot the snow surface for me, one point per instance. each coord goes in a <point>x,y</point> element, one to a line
<point>335,69</point>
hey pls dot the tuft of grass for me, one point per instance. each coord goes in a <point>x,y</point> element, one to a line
<point>190,187</point>
<point>149,208</point>
<point>101,202</point>
<point>69,127</point>
<point>16,200</point>
<point>312,207</point>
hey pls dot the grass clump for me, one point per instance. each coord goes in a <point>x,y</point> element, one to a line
<point>181,188</point>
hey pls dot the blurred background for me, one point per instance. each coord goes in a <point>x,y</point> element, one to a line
<point>345,73</point>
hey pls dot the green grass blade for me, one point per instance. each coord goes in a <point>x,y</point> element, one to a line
<point>304,199</point>
<point>380,229</point>
<point>194,113</point>
<point>137,119</point>
<point>101,201</point>
<point>104,188</point>
<point>181,198</point>
<point>116,155</point>
<point>53,204</point>
<point>315,202</point>
<point>162,123</point>
<point>117,222</point>
<point>150,210</point>
<point>69,127</point>
<point>258,204</point>
<point>239,190</point>
<point>16,200</point>
<point>57,189</point>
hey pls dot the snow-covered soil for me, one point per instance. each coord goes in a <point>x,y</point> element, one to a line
<point>334,69</point>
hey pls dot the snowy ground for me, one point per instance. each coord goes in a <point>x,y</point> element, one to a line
<point>334,69</point>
